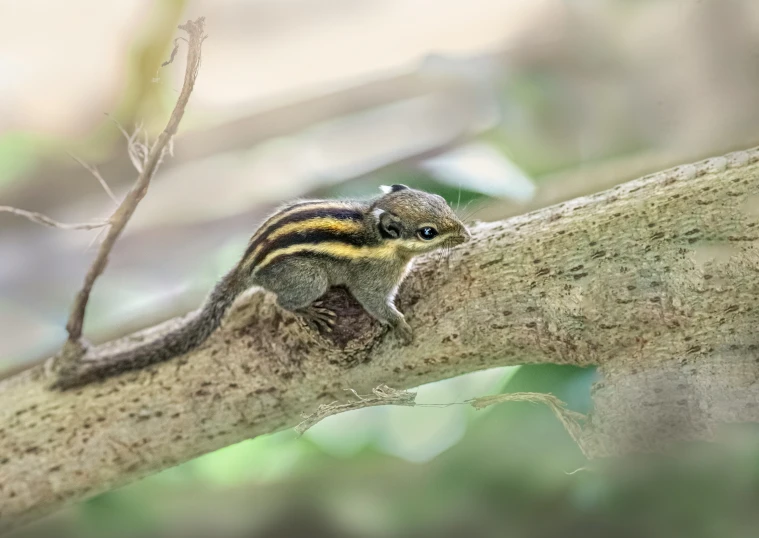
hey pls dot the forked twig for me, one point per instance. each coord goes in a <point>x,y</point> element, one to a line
<point>73,349</point>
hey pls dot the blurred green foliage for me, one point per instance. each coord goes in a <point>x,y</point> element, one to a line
<point>18,156</point>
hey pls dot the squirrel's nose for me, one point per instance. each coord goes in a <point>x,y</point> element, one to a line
<point>463,236</point>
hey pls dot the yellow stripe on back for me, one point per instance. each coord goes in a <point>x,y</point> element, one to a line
<point>326,224</point>
<point>335,249</point>
<point>286,212</point>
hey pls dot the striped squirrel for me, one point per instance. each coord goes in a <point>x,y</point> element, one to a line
<point>298,253</point>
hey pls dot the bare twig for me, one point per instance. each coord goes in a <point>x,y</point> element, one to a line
<point>39,218</point>
<point>94,171</point>
<point>569,419</point>
<point>382,395</point>
<point>124,212</point>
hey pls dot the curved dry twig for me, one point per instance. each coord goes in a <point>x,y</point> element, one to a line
<point>39,218</point>
<point>72,351</point>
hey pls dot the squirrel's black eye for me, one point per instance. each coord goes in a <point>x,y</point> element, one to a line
<point>427,233</point>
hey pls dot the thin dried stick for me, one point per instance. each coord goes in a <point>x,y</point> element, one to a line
<point>124,212</point>
<point>571,420</point>
<point>382,395</point>
<point>39,218</point>
<point>94,171</point>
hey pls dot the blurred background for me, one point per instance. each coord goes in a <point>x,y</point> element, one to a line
<point>501,106</point>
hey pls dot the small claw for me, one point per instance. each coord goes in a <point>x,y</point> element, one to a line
<point>324,312</point>
<point>319,317</point>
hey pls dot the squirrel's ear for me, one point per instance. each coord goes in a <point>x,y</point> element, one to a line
<point>387,189</point>
<point>389,225</point>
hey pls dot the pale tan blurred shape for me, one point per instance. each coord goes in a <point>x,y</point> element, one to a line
<point>262,53</point>
<point>59,61</point>
<point>62,64</point>
<point>273,51</point>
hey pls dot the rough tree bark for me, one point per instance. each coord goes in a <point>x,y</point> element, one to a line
<point>655,281</point>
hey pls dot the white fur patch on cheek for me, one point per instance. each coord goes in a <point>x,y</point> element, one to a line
<point>407,270</point>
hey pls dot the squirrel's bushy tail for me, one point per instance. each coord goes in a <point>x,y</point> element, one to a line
<point>193,331</point>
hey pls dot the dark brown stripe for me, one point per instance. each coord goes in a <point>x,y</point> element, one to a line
<point>339,213</point>
<point>312,237</point>
<point>260,235</point>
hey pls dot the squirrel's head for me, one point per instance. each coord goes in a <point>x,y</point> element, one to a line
<point>420,222</point>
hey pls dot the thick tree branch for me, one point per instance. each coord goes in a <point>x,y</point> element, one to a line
<point>655,281</point>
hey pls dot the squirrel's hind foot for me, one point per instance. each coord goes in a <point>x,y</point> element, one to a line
<point>318,317</point>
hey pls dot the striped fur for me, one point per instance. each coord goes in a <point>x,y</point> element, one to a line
<point>303,227</point>
<point>334,249</point>
<point>294,209</point>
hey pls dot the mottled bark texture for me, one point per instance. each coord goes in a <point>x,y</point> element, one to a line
<point>655,281</point>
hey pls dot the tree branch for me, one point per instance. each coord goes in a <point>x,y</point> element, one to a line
<point>73,349</point>
<point>656,281</point>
